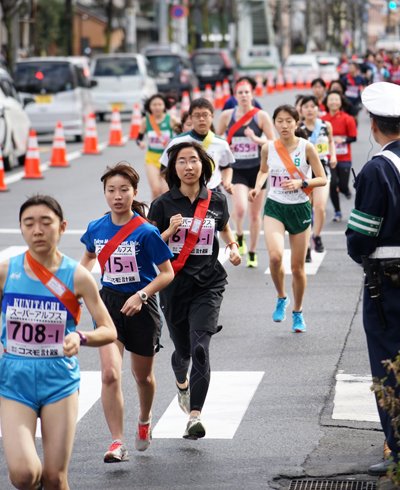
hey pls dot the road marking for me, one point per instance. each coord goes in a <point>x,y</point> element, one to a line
<point>354,399</point>
<point>228,397</point>
<point>89,393</point>
<point>310,268</point>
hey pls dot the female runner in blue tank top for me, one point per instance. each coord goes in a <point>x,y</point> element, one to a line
<point>130,283</point>
<point>288,208</point>
<point>246,147</point>
<point>39,373</point>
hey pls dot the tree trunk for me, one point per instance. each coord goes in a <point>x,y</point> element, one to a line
<point>69,23</point>
<point>109,13</point>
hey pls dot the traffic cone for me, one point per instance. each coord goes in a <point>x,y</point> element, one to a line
<point>173,112</point>
<point>90,142</point>
<point>309,79</point>
<point>59,153</point>
<point>259,86</point>
<point>3,186</point>
<point>32,159</point>
<point>196,93</point>
<point>136,121</point>
<point>209,94</point>
<point>289,80</point>
<point>270,83</point>
<point>226,89</point>
<point>280,86</point>
<point>299,80</point>
<point>115,137</point>
<point>328,79</point>
<point>219,96</point>
<point>185,104</point>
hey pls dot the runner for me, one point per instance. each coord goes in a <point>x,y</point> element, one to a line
<point>129,247</point>
<point>232,101</point>
<point>201,113</point>
<point>39,373</point>
<point>319,134</point>
<point>191,303</point>
<point>344,132</point>
<point>158,125</point>
<point>185,125</point>
<point>288,207</point>
<point>355,84</point>
<point>245,125</point>
<point>318,87</point>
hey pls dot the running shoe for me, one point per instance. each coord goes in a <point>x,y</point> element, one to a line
<point>348,195</point>
<point>184,397</point>
<point>338,216</point>
<point>318,245</point>
<point>252,260</point>
<point>298,322</point>
<point>194,429</point>
<point>143,436</point>
<point>242,244</point>
<point>308,256</point>
<point>280,311</point>
<point>116,453</point>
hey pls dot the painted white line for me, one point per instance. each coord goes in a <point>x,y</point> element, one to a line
<point>354,399</point>
<point>310,268</point>
<point>228,397</point>
<point>247,232</point>
<point>89,393</point>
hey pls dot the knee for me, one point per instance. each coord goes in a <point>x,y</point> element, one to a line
<point>240,212</point>
<point>275,259</point>
<point>200,354</point>
<point>143,380</point>
<point>298,271</point>
<point>24,479</point>
<point>255,217</point>
<point>319,208</point>
<point>111,375</point>
<point>53,479</point>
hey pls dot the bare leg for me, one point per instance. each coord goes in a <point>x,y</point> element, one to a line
<point>274,232</point>
<point>111,393</point>
<point>320,198</point>
<point>142,370</point>
<point>154,178</point>
<point>255,219</point>
<point>298,246</point>
<point>240,203</point>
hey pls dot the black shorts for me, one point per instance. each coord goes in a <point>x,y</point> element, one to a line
<point>139,333</point>
<point>247,177</point>
<point>188,307</point>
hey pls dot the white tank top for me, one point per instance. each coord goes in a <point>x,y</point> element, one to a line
<point>278,173</point>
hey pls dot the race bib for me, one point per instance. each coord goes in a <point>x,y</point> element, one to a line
<point>352,92</point>
<point>35,332</point>
<point>204,243</point>
<point>155,143</point>
<point>244,148</point>
<point>121,267</point>
<point>341,148</point>
<point>276,180</point>
<point>322,148</point>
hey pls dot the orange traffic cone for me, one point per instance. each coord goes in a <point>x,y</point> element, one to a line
<point>59,153</point>
<point>289,80</point>
<point>136,121</point>
<point>90,143</point>
<point>270,83</point>
<point>226,89</point>
<point>327,78</point>
<point>185,104</point>
<point>309,79</point>
<point>173,112</point>
<point>209,94</point>
<point>280,86</point>
<point>32,160</point>
<point>299,80</point>
<point>3,186</point>
<point>259,86</point>
<point>196,93</point>
<point>219,96</point>
<point>115,137</point>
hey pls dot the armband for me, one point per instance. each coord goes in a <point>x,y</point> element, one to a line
<point>139,138</point>
<point>364,223</point>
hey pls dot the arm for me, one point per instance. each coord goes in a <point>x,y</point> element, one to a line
<point>142,132</point>
<point>227,236</point>
<point>267,126</point>
<point>88,260</point>
<point>262,174</point>
<point>332,148</point>
<point>175,222</point>
<point>226,176</point>
<point>3,275</point>
<point>223,122</point>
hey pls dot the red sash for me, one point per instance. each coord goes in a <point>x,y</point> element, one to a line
<point>56,287</point>
<point>193,234</point>
<point>157,130</point>
<point>294,172</point>
<point>117,239</point>
<point>352,81</point>
<point>239,124</point>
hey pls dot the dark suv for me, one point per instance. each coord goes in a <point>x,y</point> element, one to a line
<point>214,65</point>
<point>173,72</point>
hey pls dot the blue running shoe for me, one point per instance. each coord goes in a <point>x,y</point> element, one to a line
<point>280,311</point>
<point>298,322</point>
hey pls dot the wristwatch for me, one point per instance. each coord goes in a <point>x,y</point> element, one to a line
<point>143,296</point>
<point>304,185</point>
<point>82,337</point>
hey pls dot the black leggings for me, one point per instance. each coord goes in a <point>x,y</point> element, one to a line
<point>198,350</point>
<point>339,180</point>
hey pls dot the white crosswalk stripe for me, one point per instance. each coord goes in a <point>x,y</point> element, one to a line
<point>310,268</point>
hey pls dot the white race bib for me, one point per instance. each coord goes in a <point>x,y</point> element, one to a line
<point>204,243</point>
<point>121,267</point>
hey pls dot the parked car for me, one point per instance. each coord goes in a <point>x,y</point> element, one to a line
<point>328,65</point>
<point>259,60</point>
<point>301,63</point>
<point>122,80</point>
<point>14,123</point>
<point>61,91</point>
<point>214,65</point>
<point>173,71</point>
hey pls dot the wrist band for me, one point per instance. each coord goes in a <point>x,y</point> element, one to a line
<point>232,243</point>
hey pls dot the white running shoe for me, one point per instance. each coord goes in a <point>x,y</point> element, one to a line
<point>116,453</point>
<point>194,429</point>
<point>143,436</point>
<point>184,397</point>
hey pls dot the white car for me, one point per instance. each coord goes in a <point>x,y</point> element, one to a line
<point>328,66</point>
<point>306,64</point>
<point>122,80</point>
<point>60,87</point>
<point>14,123</point>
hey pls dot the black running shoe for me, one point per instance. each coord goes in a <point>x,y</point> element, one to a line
<point>318,245</point>
<point>308,256</point>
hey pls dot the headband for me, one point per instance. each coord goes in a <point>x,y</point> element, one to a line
<point>242,83</point>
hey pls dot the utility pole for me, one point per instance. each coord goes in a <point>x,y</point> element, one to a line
<point>163,21</point>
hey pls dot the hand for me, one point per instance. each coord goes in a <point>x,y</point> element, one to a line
<point>332,163</point>
<point>253,194</point>
<point>339,140</point>
<point>234,256</point>
<point>132,305</point>
<point>174,223</point>
<point>142,145</point>
<point>228,187</point>
<point>71,344</point>
<point>291,185</point>
<point>249,133</point>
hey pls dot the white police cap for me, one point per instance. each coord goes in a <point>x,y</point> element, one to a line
<point>382,100</point>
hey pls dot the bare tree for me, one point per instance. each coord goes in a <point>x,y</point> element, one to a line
<point>10,9</point>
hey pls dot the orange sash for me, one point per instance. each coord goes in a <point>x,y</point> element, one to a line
<point>56,287</point>
<point>157,130</point>
<point>294,172</point>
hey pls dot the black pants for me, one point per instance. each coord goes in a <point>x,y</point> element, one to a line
<point>339,183</point>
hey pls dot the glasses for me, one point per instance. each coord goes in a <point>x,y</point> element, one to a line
<point>192,161</point>
<point>205,115</point>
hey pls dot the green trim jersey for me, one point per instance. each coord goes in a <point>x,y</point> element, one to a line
<point>155,144</point>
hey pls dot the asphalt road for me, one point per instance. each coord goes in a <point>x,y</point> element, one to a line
<point>282,385</point>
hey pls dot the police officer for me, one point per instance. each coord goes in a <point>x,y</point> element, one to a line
<point>373,239</point>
